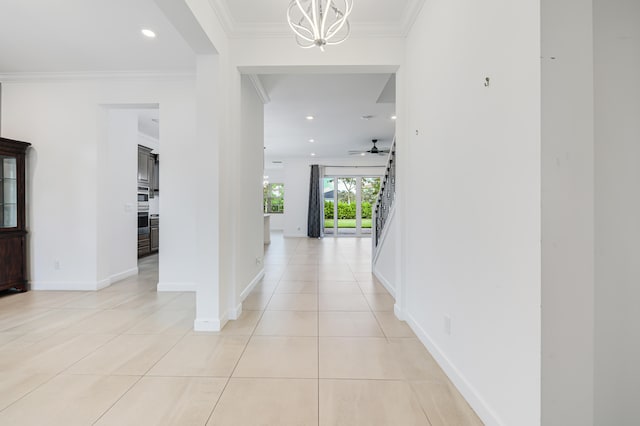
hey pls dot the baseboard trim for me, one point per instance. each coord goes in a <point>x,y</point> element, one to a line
<point>484,411</point>
<point>163,287</point>
<point>123,275</point>
<point>251,285</point>
<point>63,286</point>
<point>385,283</point>
<point>399,313</point>
<point>103,283</point>
<point>210,324</point>
<point>235,313</point>
<point>82,285</point>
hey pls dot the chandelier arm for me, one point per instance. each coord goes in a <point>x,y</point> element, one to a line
<point>343,39</point>
<point>332,31</point>
<point>315,28</point>
<point>315,8</point>
<point>325,15</point>
<point>301,31</point>
<point>307,46</point>
<point>306,15</point>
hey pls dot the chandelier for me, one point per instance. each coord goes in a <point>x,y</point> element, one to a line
<point>319,22</point>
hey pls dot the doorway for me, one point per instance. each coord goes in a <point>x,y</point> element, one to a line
<point>348,202</point>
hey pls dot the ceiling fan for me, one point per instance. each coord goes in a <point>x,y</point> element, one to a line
<point>375,150</point>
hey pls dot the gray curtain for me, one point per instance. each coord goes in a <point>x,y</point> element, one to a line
<point>315,222</point>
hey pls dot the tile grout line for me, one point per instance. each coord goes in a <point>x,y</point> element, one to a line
<point>318,337</point>
<point>226,384</point>
<point>186,333</point>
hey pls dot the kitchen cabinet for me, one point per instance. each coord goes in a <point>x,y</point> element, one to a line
<point>153,175</point>
<point>13,232</point>
<point>155,188</point>
<point>144,155</point>
<point>154,234</point>
<point>144,245</point>
<point>149,242</point>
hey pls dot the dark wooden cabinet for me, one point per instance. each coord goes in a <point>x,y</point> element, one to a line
<point>154,180</point>
<point>144,172</point>
<point>144,245</point>
<point>148,170</point>
<point>154,234</point>
<point>13,231</point>
<point>149,243</point>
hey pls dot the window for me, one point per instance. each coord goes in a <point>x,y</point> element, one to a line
<point>274,198</point>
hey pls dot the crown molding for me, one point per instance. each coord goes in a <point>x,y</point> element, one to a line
<point>224,16</point>
<point>410,15</point>
<point>97,75</point>
<point>262,92</point>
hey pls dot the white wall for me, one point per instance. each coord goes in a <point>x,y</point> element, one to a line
<point>472,199</point>
<point>617,215</point>
<point>567,213</point>
<point>120,165</point>
<point>65,122</point>
<point>250,222</point>
<point>385,263</point>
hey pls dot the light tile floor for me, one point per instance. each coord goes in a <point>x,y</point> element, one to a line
<point>317,344</point>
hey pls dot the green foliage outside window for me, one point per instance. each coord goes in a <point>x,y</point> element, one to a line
<point>273,198</point>
<point>346,210</point>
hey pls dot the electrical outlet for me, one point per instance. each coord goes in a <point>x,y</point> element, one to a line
<point>447,325</point>
<point>56,265</point>
<point>258,261</point>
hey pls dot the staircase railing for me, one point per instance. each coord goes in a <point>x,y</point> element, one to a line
<point>386,197</point>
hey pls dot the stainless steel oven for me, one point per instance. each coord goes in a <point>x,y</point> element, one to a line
<point>143,223</point>
<point>143,199</point>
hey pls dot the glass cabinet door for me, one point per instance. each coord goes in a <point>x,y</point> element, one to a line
<point>8,192</point>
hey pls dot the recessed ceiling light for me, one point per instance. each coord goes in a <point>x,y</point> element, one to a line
<point>312,140</point>
<point>148,33</point>
<point>393,117</point>
<point>310,117</point>
<point>362,154</point>
<point>313,154</point>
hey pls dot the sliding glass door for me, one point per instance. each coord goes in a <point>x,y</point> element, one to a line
<point>347,205</point>
<point>370,187</point>
<point>329,206</point>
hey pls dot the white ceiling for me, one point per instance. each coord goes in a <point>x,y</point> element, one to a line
<point>337,102</point>
<point>149,122</point>
<point>104,35</point>
<point>256,17</point>
<point>76,36</point>
<point>88,35</point>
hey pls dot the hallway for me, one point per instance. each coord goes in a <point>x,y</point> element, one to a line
<point>317,343</point>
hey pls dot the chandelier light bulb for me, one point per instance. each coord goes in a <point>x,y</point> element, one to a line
<point>320,23</point>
